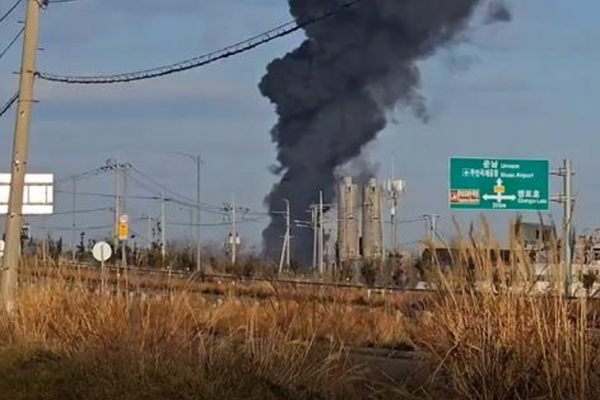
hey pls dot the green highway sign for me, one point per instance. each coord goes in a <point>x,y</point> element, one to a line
<point>497,184</point>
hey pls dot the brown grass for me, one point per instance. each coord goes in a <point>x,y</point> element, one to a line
<point>279,342</point>
<point>508,344</point>
<point>64,343</point>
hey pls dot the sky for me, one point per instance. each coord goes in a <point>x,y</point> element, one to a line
<point>526,89</point>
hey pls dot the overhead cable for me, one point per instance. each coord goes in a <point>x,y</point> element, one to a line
<point>81,176</point>
<point>88,211</point>
<point>12,42</point>
<point>9,104</point>
<point>202,60</point>
<point>10,11</point>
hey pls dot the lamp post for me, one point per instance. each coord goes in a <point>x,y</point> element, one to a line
<point>196,158</point>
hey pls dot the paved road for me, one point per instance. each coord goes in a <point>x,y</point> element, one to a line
<point>404,368</point>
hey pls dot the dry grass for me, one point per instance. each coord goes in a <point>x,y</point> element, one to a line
<point>279,342</point>
<point>346,317</point>
<point>508,344</point>
<point>71,344</point>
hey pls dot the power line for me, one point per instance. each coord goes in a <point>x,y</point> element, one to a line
<point>216,224</point>
<point>413,220</point>
<point>9,104</point>
<point>11,44</point>
<point>88,211</point>
<point>202,60</point>
<point>178,198</point>
<point>10,11</point>
<point>106,195</point>
<point>79,228</point>
<point>83,175</point>
<point>159,185</point>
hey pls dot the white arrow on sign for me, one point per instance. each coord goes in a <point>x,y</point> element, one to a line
<point>499,198</point>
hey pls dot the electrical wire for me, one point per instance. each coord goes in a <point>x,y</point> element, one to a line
<point>160,185</point>
<point>83,175</point>
<point>10,11</point>
<point>412,221</point>
<point>12,42</point>
<point>176,197</point>
<point>79,228</point>
<point>9,104</point>
<point>112,196</point>
<point>202,60</point>
<point>88,211</point>
<point>216,224</point>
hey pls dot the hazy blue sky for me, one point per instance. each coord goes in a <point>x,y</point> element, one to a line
<point>525,89</point>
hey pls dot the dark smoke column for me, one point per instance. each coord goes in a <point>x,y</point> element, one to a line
<point>333,92</point>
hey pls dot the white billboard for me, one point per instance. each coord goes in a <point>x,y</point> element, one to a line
<point>38,195</point>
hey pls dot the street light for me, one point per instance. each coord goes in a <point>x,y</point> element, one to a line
<point>198,161</point>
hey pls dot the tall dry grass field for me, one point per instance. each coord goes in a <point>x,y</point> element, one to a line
<point>485,334</point>
<point>491,336</point>
<point>68,343</point>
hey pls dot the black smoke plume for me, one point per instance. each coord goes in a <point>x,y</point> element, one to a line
<point>333,93</point>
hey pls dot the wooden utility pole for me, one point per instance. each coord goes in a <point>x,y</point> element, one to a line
<point>20,156</point>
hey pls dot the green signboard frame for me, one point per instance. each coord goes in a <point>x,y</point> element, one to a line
<point>499,184</point>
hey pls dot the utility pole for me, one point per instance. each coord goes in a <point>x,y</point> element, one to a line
<point>394,227</point>
<point>197,159</point>
<point>321,233</point>
<point>288,234</point>
<point>117,205</point>
<point>20,156</point>
<point>233,234</point>
<point>124,212</point>
<point>566,198</point>
<point>432,219</point>
<point>568,223</point>
<point>285,251</point>
<point>74,220</point>
<point>394,210</point>
<point>315,226</point>
<point>149,230</point>
<point>198,215</point>
<point>163,228</point>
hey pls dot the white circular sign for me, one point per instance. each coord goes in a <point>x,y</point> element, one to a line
<point>102,251</point>
<point>124,219</point>
<point>2,248</point>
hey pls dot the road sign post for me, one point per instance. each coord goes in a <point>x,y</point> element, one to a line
<point>102,252</point>
<point>499,184</point>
